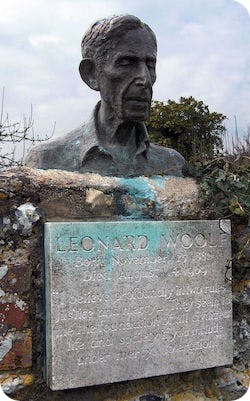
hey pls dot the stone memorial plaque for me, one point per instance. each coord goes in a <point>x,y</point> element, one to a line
<point>134,299</point>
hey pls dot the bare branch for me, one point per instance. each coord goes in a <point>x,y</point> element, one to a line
<point>17,133</point>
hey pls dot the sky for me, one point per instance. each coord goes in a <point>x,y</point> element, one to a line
<point>203,51</point>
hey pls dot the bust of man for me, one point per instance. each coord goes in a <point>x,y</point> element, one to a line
<point>118,60</point>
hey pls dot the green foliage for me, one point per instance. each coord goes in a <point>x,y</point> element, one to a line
<point>224,184</point>
<point>190,128</point>
<point>187,126</point>
<point>160,140</point>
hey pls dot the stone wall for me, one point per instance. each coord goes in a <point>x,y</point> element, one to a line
<point>28,198</point>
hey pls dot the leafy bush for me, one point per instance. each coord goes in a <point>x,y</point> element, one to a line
<point>187,126</point>
<point>224,185</point>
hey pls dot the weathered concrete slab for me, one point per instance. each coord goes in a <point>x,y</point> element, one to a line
<point>134,299</point>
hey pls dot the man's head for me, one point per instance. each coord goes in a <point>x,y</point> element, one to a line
<point>119,55</point>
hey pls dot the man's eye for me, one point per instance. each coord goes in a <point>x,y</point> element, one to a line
<point>151,64</point>
<point>125,62</point>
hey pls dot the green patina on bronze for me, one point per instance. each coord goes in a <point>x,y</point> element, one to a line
<point>65,241</point>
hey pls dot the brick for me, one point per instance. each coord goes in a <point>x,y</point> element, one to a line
<point>16,350</point>
<point>17,279</point>
<point>13,315</point>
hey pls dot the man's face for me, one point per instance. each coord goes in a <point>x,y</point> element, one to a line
<point>127,75</point>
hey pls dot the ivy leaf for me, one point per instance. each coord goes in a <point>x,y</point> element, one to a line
<point>235,207</point>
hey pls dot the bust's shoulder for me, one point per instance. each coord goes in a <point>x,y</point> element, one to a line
<point>58,152</point>
<point>162,150</point>
<point>169,160</point>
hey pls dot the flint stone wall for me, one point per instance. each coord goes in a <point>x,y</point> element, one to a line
<point>28,198</point>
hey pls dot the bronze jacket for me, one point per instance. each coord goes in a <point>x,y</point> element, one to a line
<point>80,151</point>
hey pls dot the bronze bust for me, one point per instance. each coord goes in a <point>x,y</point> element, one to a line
<point>118,60</point>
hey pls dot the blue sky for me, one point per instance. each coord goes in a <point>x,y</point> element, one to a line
<point>203,51</point>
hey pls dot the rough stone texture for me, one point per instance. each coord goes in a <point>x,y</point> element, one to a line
<point>15,381</point>
<point>21,186</point>
<point>16,350</point>
<point>63,195</point>
<point>136,299</point>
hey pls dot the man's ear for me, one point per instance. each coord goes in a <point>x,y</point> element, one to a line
<point>87,71</point>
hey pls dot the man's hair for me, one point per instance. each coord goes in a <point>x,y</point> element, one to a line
<point>94,42</point>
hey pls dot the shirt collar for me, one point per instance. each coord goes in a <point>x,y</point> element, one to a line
<point>90,136</point>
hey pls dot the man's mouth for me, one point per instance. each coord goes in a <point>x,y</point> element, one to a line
<point>138,101</point>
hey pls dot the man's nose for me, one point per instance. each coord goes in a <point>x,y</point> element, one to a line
<point>143,77</point>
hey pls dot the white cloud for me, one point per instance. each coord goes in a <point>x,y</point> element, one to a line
<point>10,10</point>
<point>67,113</point>
<point>75,11</point>
<point>203,52</point>
<point>38,40</point>
<point>245,3</point>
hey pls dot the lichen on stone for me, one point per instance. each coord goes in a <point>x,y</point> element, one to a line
<point>26,215</point>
